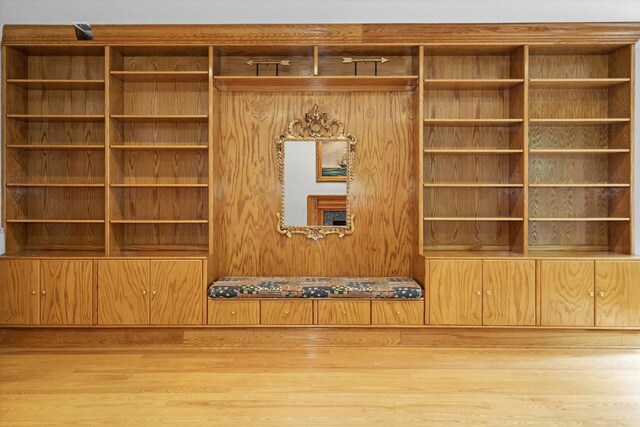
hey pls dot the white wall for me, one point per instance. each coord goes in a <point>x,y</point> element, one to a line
<point>300,181</point>
<point>327,11</point>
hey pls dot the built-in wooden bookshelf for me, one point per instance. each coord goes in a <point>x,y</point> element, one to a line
<point>523,146</point>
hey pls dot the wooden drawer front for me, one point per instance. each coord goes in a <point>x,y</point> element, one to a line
<point>286,312</point>
<point>344,312</point>
<point>233,312</point>
<point>397,312</point>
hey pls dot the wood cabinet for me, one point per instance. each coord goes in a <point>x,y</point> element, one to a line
<point>66,292</point>
<point>617,293</point>
<point>509,293</point>
<point>123,288</point>
<point>176,292</point>
<point>157,292</point>
<point>567,293</point>
<point>397,312</point>
<point>285,312</point>
<point>343,312</point>
<point>19,292</point>
<point>233,312</point>
<point>455,292</point>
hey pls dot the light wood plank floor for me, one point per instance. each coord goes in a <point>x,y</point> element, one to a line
<point>321,386</point>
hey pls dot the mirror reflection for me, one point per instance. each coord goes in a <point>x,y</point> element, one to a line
<point>315,166</point>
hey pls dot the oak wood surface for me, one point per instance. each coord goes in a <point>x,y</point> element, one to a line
<point>343,312</point>
<point>175,288</point>
<point>397,312</point>
<point>617,286</point>
<point>66,292</point>
<point>283,312</point>
<point>123,292</point>
<point>233,312</point>
<point>455,292</point>
<point>509,293</point>
<point>19,292</point>
<point>567,293</point>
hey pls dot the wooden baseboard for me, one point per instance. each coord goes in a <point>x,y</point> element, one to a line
<point>324,337</point>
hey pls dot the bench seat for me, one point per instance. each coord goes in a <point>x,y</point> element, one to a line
<point>315,287</point>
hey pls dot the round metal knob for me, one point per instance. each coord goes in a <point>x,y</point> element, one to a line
<point>344,312</point>
<point>489,293</point>
<point>44,292</point>
<point>233,312</point>
<point>398,313</point>
<point>154,292</point>
<point>601,294</point>
<point>33,292</point>
<point>144,292</point>
<point>286,312</point>
<point>591,293</point>
<point>478,293</point>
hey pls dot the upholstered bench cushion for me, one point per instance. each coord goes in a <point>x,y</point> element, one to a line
<point>315,287</point>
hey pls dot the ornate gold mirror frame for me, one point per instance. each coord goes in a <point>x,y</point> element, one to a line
<point>316,127</point>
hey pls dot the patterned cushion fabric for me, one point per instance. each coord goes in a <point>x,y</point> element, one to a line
<point>315,287</point>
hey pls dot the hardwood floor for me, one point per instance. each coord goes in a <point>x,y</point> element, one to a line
<point>319,386</point>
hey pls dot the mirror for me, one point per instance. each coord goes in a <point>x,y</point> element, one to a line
<point>316,161</point>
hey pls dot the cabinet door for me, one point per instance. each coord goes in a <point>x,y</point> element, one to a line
<point>177,292</point>
<point>617,293</point>
<point>509,293</point>
<point>19,292</point>
<point>123,288</point>
<point>455,292</point>
<point>66,292</point>
<point>566,293</point>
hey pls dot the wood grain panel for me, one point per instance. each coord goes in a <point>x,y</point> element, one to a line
<point>509,293</point>
<point>283,312</point>
<point>455,292</point>
<point>160,167</point>
<point>566,293</point>
<point>19,292</point>
<point>575,137</point>
<point>452,66</point>
<point>397,312</point>
<point>382,191</point>
<point>123,288</point>
<point>233,312</point>
<point>569,103</point>
<point>617,293</point>
<point>485,137</point>
<point>569,66</point>
<point>176,297</point>
<point>343,312</point>
<point>66,292</point>
<point>466,104</point>
<point>159,203</point>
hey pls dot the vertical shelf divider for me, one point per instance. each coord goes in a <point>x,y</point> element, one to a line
<point>525,150</point>
<point>107,150</point>
<point>419,99</point>
<point>211,136</point>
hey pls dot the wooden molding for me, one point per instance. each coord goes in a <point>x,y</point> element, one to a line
<point>303,34</point>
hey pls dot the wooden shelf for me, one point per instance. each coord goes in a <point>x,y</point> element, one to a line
<point>576,83</point>
<point>151,76</point>
<point>579,219</point>
<point>158,185</point>
<point>316,83</point>
<point>155,147</point>
<point>47,147</point>
<point>580,185</point>
<point>471,151</point>
<point>146,118</point>
<point>472,185</point>
<point>576,122</point>
<point>472,122</point>
<point>43,84</point>
<point>158,221</point>
<point>25,184</point>
<point>578,150</point>
<point>57,117</point>
<point>474,219</point>
<point>471,84</point>
<point>56,221</point>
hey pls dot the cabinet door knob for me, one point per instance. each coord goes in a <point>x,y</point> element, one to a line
<point>286,312</point>
<point>478,293</point>
<point>144,292</point>
<point>44,292</point>
<point>33,292</point>
<point>591,293</point>
<point>488,292</point>
<point>601,294</point>
<point>154,292</point>
<point>233,312</point>
<point>398,313</point>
